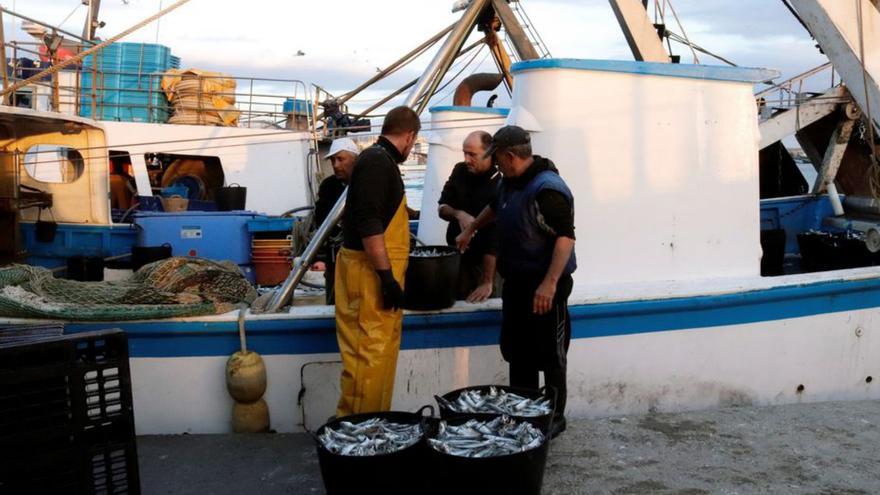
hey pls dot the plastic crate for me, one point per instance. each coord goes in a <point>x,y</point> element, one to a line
<point>66,416</point>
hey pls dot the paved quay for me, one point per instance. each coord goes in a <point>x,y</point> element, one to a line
<point>828,448</point>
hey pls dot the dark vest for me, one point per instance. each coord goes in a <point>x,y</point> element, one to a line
<point>524,247</point>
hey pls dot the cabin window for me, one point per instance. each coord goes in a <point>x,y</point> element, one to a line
<point>201,175</point>
<point>52,163</point>
<point>123,187</point>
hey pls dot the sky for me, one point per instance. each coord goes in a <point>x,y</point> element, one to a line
<point>345,41</point>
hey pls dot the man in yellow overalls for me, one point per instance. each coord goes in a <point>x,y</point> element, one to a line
<point>370,268</point>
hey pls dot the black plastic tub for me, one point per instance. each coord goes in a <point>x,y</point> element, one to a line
<point>231,198</point>
<point>85,268</point>
<point>515,474</point>
<point>401,472</point>
<point>543,422</point>
<point>144,255</point>
<point>432,281</point>
<point>833,251</point>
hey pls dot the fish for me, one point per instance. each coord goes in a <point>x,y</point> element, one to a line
<point>430,253</point>
<point>497,402</point>
<point>375,436</point>
<point>500,436</point>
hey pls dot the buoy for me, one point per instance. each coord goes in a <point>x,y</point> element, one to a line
<point>250,417</point>
<point>245,376</point>
<point>246,383</point>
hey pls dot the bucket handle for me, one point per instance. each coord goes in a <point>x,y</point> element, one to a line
<point>40,213</point>
<point>234,184</point>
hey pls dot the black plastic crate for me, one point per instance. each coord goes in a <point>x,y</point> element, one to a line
<point>66,416</point>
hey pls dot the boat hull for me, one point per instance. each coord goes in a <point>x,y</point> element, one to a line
<point>813,338</point>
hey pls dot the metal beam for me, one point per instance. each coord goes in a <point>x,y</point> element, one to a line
<point>833,156</point>
<point>790,121</point>
<point>91,24</point>
<point>393,67</point>
<point>443,59</point>
<point>515,32</point>
<point>639,31</point>
<point>835,27</point>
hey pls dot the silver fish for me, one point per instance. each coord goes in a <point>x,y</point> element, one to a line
<point>371,437</point>
<point>497,402</point>
<point>500,436</point>
<point>429,253</point>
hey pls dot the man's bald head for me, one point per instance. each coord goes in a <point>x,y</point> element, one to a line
<point>474,147</point>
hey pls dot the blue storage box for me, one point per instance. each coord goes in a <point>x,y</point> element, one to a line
<point>271,224</point>
<point>217,235</point>
<point>77,240</point>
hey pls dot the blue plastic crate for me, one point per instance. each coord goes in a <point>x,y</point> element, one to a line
<point>77,240</point>
<point>221,235</point>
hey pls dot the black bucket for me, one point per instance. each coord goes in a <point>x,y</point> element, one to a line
<point>401,472</point>
<point>432,282</point>
<point>231,198</point>
<point>144,255</point>
<point>543,422</point>
<point>85,268</point>
<point>514,474</point>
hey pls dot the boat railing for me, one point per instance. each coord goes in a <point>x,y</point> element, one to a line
<point>123,95</point>
<point>796,90</point>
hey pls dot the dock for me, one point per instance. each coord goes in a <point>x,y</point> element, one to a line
<point>808,448</point>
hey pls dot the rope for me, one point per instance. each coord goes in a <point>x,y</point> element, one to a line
<point>57,67</point>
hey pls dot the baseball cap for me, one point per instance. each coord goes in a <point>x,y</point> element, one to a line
<point>507,136</point>
<point>342,144</point>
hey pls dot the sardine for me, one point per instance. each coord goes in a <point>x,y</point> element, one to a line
<point>497,402</point>
<point>501,436</point>
<point>374,436</point>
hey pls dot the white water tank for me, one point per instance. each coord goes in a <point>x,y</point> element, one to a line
<point>662,160</point>
<point>449,126</point>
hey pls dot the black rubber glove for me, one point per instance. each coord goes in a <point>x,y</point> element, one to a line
<point>392,294</point>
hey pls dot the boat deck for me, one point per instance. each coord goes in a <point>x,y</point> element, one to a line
<point>802,448</point>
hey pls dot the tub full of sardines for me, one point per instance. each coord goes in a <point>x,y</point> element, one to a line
<point>501,455</point>
<point>491,401</point>
<point>431,278</point>
<point>381,452</point>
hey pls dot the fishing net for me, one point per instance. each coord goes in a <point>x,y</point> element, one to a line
<point>166,288</point>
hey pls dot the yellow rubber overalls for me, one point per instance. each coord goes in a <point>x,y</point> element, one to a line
<point>368,335</point>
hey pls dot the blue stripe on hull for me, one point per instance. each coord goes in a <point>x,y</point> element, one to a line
<point>163,338</point>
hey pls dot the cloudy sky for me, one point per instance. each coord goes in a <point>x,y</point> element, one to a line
<point>344,41</point>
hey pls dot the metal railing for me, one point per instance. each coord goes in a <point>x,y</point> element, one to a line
<point>794,91</point>
<point>138,96</point>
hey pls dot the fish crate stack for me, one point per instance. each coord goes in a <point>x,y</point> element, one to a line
<point>66,416</point>
<point>127,86</point>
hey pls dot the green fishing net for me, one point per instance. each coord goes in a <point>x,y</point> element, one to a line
<point>163,289</point>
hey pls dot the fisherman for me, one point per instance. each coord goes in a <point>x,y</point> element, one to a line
<point>370,268</point>
<point>342,155</point>
<point>534,212</point>
<point>471,186</point>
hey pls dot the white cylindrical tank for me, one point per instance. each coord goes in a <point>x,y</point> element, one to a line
<point>662,160</point>
<point>449,126</point>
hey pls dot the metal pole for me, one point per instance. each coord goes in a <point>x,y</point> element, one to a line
<point>3,58</point>
<point>410,84</point>
<point>515,31</point>
<point>438,66</point>
<point>76,59</point>
<point>391,68</point>
<point>285,292</point>
<point>41,23</point>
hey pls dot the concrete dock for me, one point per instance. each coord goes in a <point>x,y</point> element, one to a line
<point>822,448</point>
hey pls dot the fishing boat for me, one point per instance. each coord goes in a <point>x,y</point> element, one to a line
<point>671,308</point>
